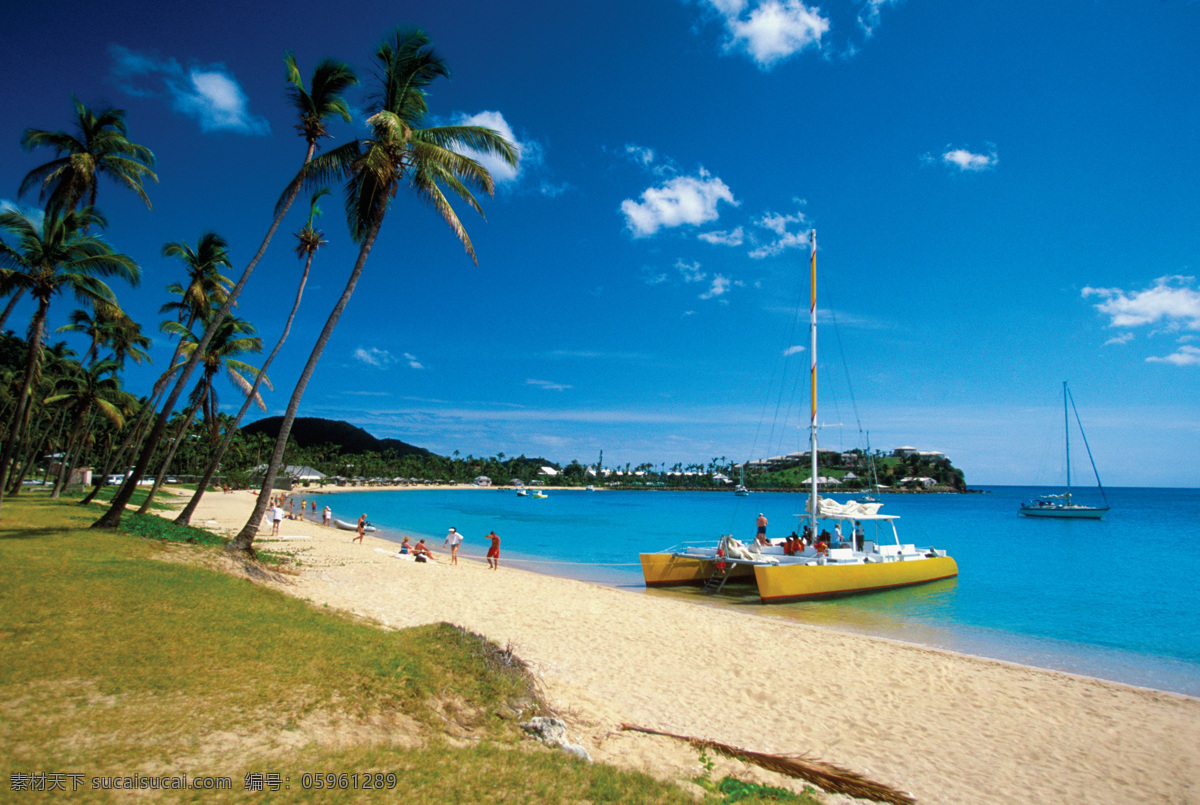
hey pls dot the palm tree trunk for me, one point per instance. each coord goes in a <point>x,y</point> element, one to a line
<point>180,432</point>
<point>14,431</point>
<point>243,542</point>
<point>74,443</point>
<point>8,309</point>
<point>136,428</point>
<point>112,517</point>
<point>185,516</point>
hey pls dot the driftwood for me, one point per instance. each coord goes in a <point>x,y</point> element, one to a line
<point>831,778</point>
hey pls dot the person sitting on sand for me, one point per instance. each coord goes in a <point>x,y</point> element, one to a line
<point>405,546</point>
<point>421,551</point>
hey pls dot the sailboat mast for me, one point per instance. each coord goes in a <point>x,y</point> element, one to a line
<point>812,331</point>
<point>1067,431</point>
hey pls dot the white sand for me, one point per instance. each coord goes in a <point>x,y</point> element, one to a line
<point>946,727</point>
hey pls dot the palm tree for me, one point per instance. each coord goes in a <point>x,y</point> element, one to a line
<point>56,256</point>
<point>398,150</point>
<point>96,391</point>
<point>324,98</point>
<point>100,146</point>
<point>309,241</point>
<point>234,337</point>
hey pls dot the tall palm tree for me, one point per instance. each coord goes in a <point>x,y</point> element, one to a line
<point>309,241</point>
<point>100,146</point>
<point>206,285</point>
<point>56,256</point>
<point>399,150</point>
<point>234,337</point>
<point>323,99</point>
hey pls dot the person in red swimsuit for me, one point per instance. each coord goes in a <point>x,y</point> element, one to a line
<point>493,554</point>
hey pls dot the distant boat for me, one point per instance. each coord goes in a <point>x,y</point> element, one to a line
<point>522,492</point>
<point>540,494</point>
<point>1061,506</point>
<point>342,524</point>
<point>590,488</point>
<point>740,490</point>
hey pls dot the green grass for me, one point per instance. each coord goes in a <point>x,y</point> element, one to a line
<point>125,655</point>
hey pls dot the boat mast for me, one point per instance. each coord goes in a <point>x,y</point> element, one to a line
<point>1067,431</point>
<point>812,337</point>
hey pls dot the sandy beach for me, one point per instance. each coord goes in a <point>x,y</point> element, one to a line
<point>945,727</point>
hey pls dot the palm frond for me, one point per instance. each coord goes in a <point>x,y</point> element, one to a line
<point>828,776</point>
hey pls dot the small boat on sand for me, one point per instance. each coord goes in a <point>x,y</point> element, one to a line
<point>342,524</point>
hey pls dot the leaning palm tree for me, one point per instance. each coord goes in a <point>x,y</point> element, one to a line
<point>100,146</point>
<point>93,392</point>
<point>322,100</point>
<point>234,337</point>
<point>399,150</point>
<point>309,241</point>
<point>56,256</point>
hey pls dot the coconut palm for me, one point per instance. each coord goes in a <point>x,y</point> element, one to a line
<point>100,146</point>
<point>398,151</point>
<point>309,240</point>
<point>234,337</point>
<point>56,256</point>
<point>323,99</point>
<point>93,392</point>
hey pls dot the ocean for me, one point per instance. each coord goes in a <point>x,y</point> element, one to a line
<point>1116,599</point>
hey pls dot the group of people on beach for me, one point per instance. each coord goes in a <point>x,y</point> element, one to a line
<point>454,538</point>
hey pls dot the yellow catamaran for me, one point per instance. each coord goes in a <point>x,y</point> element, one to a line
<point>863,563</point>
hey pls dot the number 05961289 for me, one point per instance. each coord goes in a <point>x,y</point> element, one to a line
<point>316,781</point>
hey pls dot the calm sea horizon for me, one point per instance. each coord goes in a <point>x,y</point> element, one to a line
<point>1114,599</point>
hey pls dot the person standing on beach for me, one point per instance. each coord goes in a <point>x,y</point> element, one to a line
<point>761,535</point>
<point>362,527</point>
<point>453,539</point>
<point>326,516</point>
<point>276,519</point>
<point>493,554</point>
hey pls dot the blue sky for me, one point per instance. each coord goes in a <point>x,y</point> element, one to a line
<point>1005,194</point>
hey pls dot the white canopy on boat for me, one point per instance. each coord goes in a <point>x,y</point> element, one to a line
<point>830,509</point>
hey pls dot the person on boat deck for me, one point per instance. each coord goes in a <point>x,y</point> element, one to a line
<point>859,536</point>
<point>837,533</point>
<point>761,536</point>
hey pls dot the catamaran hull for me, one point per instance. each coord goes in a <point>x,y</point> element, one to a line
<point>782,583</point>
<point>1074,513</point>
<point>670,570</point>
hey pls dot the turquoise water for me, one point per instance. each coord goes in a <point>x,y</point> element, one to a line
<point>1116,599</point>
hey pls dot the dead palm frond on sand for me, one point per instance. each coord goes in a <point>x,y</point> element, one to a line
<point>831,778</point>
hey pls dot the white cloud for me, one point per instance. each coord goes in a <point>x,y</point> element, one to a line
<point>965,160</point>
<point>413,363</point>
<point>1184,356</point>
<point>1174,301</point>
<point>530,153</point>
<point>546,384</point>
<point>868,17</point>
<point>730,238</point>
<point>770,30</point>
<point>792,350</point>
<point>683,200</point>
<point>690,271</point>
<point>640,154</point>
<point>211,95</point>
<point>784,239</point>
<point>373,356</point>
<point>1123,338</point>
<point>720,285</point>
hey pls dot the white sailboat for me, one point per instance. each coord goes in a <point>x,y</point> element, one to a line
<point>1062,506</point>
